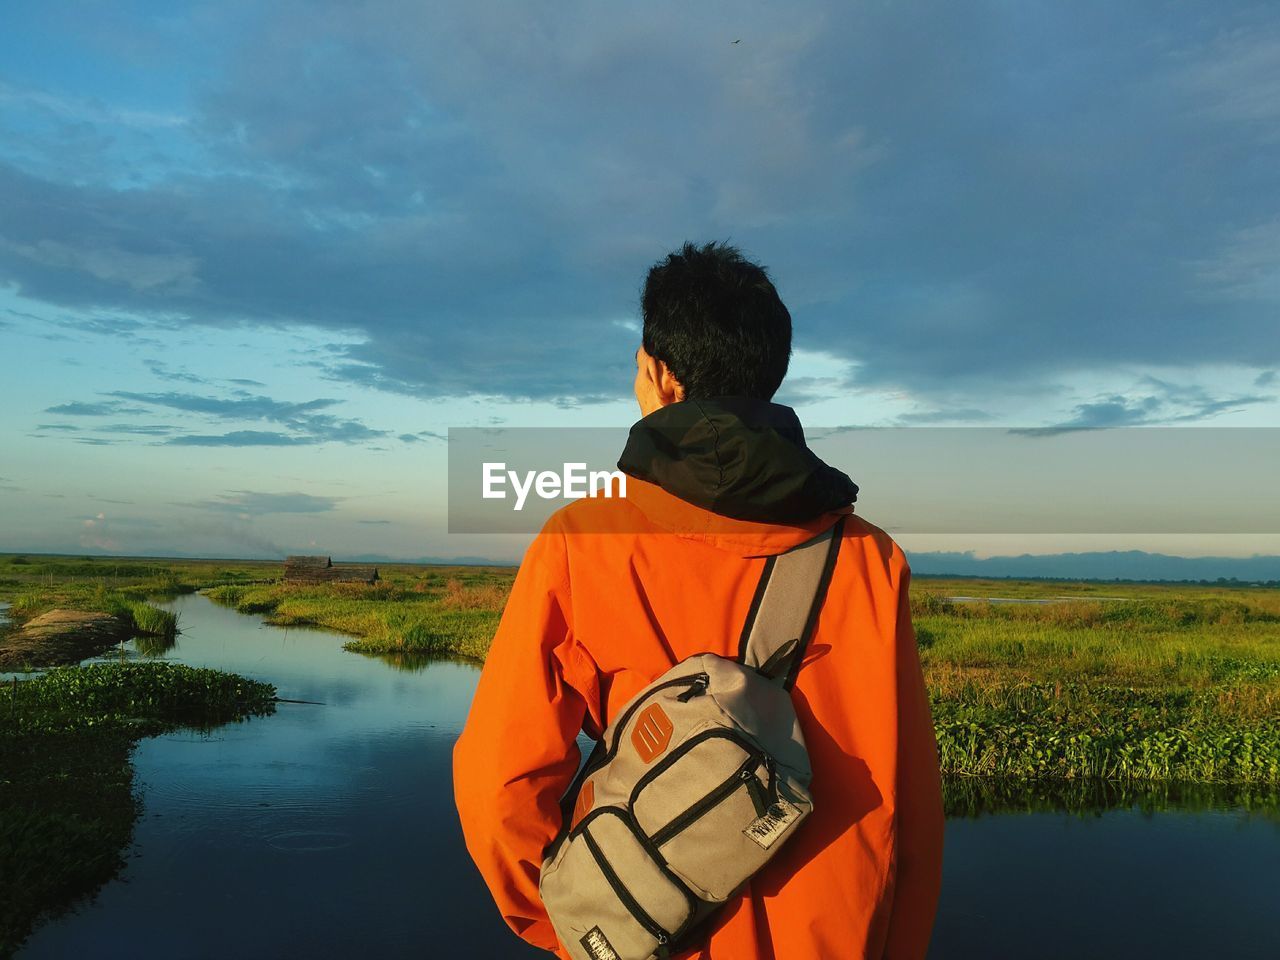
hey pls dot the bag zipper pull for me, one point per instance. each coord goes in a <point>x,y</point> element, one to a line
<point>756,790</point>
<point>696,689</point>
<point>772,767</point>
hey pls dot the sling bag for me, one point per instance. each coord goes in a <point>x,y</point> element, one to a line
<point>695,785</point>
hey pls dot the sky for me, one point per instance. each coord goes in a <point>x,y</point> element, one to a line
<point>257,259</point>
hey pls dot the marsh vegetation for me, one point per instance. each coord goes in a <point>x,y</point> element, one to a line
<point>1158,685</point>
<point>1095,697</point>
<point>67,805</point>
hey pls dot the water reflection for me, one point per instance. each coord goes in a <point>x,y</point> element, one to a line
<point>323,831</point>
<point>155,645</point>
<point>978,796</point>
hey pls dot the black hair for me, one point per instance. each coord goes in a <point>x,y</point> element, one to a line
<point>714,318</point>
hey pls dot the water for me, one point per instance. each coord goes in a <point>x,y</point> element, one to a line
<point>321,831</point>
<point>1121,884</point>
<point>327,830</point>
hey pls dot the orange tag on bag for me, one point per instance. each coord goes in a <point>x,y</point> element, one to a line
<point>652,732</point>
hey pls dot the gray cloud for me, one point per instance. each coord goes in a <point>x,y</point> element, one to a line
<point>103,409</point>
<point>944,416</point>
<point>137,429</point>
<point>256,503</point>
<point>161,370</point>
<point>239,408</point>
<point>1162,403</point>
<point>304,424</point>
<point>1030,198</point>
<point>240,438</point>
<point>422,435</point>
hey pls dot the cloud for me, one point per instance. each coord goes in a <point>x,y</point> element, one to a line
<point>240,438</point>
<point>946,415</point>
<point>161,370</point>
<point>137,429</point>
<point>238,408</point>
<point>1238,81</point>
<point>83,110</point>
<point>998,215</point>
<point>255,503</point>
<point>1245,265</point>
<point>305,425</point>
<point>126,429</point>
<point>95,533</point>
<point>103,409</point>
<point>1164,403</point>
<point>422,435</point>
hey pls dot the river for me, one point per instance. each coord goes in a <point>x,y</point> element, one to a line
<point>328,830</point>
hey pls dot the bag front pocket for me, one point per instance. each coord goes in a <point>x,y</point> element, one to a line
<point>618,901</point>
<point>716,811</point>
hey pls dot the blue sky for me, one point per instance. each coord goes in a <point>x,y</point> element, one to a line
<point>255,259</point>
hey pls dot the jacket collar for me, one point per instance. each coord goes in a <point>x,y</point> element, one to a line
<point>735,470</point>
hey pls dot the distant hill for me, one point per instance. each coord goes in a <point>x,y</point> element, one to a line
<point>1110,565</point>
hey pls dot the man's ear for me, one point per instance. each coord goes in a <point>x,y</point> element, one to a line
<point>669,388</point>
<point>656,386</point>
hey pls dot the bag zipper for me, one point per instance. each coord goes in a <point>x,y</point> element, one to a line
<point>624,896</point>
<point>697,680</point>
<point>697,689</point>
<point>744,774</point>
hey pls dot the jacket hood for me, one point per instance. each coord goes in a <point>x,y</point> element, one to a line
<point>740,459</point>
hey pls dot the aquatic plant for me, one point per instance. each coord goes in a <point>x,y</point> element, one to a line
<point>154,622</point>
<point>67,805</point>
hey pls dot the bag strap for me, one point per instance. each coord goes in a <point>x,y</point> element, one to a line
<point>784,610</point>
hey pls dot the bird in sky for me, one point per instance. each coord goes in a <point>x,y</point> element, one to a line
<point>739,40</point>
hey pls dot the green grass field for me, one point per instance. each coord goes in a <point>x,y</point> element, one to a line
<point>1109,681</point>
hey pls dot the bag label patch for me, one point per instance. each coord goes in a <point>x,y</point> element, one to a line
<point>598,945</point>
<point>766,830</point>
<point>652,732</point>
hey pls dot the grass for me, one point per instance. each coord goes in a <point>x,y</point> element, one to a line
<point>33,585</point>
<point>67,805</point>
<point>1114,682</point>
<point>1158,687</point>
<point>449,610</point>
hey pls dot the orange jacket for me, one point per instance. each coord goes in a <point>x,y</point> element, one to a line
<point>610,595</point>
